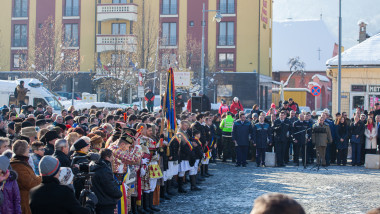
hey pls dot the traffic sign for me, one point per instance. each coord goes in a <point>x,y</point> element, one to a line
<point>315,90</point>
<point>140,92</point>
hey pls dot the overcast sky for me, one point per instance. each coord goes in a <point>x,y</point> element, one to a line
<point>352,12</point>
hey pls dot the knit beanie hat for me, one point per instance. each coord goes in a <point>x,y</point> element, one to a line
<point>49,166</point>
<point>29,131</point>
<point>4,163</point>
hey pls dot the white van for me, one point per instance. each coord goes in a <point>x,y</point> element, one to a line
<point>37,94</point>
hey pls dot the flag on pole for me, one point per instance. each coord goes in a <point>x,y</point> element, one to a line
<point>169,107</point>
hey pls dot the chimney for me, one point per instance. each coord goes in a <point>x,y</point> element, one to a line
<point>362,31</point>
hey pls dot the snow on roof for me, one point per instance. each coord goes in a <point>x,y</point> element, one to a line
<point>303,38</point>
<point>362,20</point>
<point>321,78</point>
<point>365,53</point>
<point>314,83</point>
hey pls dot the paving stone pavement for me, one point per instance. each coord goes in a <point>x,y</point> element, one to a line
<point>340,189</point>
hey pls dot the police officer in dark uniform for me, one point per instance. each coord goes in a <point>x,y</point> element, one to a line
<point>292,118</point>
<point>262,137</point>
<point>281,128</point>
<point>299,130</point>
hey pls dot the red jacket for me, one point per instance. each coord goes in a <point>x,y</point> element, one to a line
<point>189,105</point>
<point>235,107</point>
<point>223,109</point>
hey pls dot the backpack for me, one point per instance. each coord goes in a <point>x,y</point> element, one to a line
<point>15,93</point>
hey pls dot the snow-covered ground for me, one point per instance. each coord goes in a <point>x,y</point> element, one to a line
<point>232,190</point>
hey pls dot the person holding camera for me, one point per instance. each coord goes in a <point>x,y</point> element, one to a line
<point>321,137</point>
<point>81,149</point>
<point>104,185</point>
<point>52,197</point>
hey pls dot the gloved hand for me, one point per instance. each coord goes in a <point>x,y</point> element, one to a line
<point>91,199</point>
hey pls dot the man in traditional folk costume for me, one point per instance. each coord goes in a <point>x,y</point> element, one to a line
<point>197,155</point>
<point>125,154</point>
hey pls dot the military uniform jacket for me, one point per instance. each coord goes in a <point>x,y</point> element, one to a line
<point>321,135</point>
<point>262,135</point>
<point>198,126</point>
<point>298,131</point>
<point>185,150</point>
<point>281,130</point>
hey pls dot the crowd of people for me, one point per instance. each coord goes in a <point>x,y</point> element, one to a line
<point>124,160</point>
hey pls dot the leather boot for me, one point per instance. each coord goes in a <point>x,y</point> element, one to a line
<point>180,185</point>
<point>206,171</point>
<point>203,171</point>
<point>151,203</point>
<point>193,183</point>
<point>146,203</point>
<point>168,185</point>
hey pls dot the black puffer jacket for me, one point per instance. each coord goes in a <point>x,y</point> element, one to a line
<point>104,185</point>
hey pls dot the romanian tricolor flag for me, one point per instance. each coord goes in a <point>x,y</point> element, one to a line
<point>212,142</point>
<point>169,107</point>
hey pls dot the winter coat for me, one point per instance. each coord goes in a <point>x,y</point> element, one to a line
<point>149,98</point>
<point>223,109</point>
<point>294,107</point>
<point>332,127</point>
<point>299,130</point>
<point>206,105</point>
<point>200,128</point>
<point>321,135</point>
<point>188,107</point>
<point>104,185</point>
<point>36,160</point>
<point>21,92</point>
<point>281,130</point>
<point>261,135</point>
<point>49,149</point>
<point>241,132</point>
<point>185,152</point>
<point>236,107</point>
<point>26,180</point>
<point>371,144</point>
<point>179,104</point>
<point>357,129</point>
<point>78,182</point>
<point>342,132</point>
<point>174,148</point>
<point>51,197</point>
<point>64,159</point>
<point>11,194</point>
<point>218,131</point>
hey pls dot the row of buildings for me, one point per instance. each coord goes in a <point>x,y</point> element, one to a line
<point>103,40</point>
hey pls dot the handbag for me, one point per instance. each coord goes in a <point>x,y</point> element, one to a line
<point>354,139</point>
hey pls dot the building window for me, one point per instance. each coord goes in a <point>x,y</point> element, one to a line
<point>19,60</point>
<point>227,6</point>
<point>119,28</point>
<point>169,7</point>
<point>226,34</point>
<point>20,8</point>
<point>72,8</point>
<point>226,60</point>
<point>169,34</point>
<point>20,36</point>
<point>119,1</point>
<point>71,35</point>
<point>131,27</point>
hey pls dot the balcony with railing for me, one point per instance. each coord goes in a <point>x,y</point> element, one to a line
<point>127,43</point>
<point>106,12</point>
<point>224,40</point>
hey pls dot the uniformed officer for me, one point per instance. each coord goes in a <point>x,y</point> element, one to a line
<point>299,135</point>
<point>262,137</point>
<point>281,128</point>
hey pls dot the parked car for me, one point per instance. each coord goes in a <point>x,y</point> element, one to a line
<point>68,95</point>
<point>305,108</point>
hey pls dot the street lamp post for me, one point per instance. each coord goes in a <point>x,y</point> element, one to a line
<point>340,57</point>
<point>217,18</point>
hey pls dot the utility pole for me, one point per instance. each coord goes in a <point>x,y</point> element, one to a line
<point>258,54</point>
<point>340,57</point>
